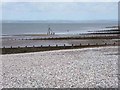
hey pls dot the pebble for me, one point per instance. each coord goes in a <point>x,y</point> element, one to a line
<point>77,68</point>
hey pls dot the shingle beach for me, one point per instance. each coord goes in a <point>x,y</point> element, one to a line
<point>76,68</point>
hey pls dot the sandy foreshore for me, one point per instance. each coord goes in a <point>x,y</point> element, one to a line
<point>77,68</point>
<point>60,40</point>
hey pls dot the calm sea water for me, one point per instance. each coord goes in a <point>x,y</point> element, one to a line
<point>58,28</point>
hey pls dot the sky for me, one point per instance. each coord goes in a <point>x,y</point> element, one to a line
<point>59,0</point>
<point>59,11</point>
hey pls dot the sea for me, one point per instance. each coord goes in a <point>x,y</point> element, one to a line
<point>16,28</point>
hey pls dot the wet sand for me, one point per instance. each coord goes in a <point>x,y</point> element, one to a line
<point>30,43</point>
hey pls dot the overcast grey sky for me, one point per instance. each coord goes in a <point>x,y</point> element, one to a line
<point>60,11</point>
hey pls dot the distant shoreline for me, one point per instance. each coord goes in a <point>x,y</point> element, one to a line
<point>59,21</point>
<point>109,31</point>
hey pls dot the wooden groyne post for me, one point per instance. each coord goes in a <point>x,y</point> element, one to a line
<point>64,45</point>
<point>105,43</point>
<point>72,45</point>
<point>41,46</point>
<point>56,45</point>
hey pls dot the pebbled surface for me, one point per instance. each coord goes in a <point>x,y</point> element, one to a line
<point>77,68</point>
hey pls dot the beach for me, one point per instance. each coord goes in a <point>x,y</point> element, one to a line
<point>76,68</point>
<point>60,45</point>
<point>60,40</point>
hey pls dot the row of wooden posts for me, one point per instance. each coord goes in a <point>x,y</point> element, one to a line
<point>60,38</point>
<point>63,45</point>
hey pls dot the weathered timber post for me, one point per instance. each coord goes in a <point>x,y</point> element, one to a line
<point>49,47</point>
<point>114,43</point>
<point>88,44</point>
<point>64,46</point>
<point>41,46</point>
<point>56,45</point>
<point>33,46</point>
<point>80,44</point>
<point>96,43</point>
<point>72,45</point>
